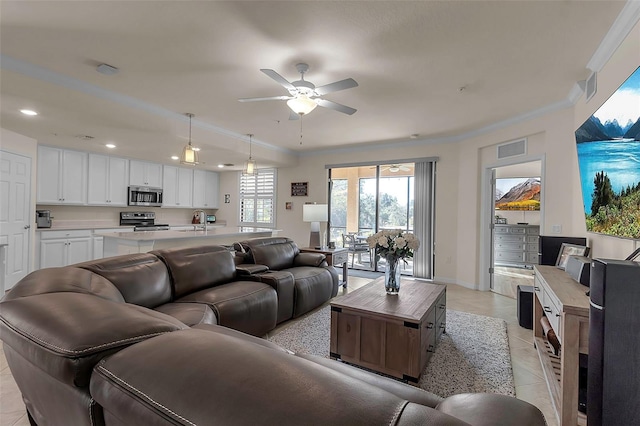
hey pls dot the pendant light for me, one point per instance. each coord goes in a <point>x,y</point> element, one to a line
<point>250,167</point>
<point>189,153</point>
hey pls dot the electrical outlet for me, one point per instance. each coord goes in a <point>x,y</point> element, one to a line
<point>556,229</point>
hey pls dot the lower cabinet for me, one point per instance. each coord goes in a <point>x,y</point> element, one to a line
<point>62,248</point>
<point>98,247</point>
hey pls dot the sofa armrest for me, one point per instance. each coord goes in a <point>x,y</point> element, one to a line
<point>310,259</point>
<point>246,269</point>
<point>66,334</point>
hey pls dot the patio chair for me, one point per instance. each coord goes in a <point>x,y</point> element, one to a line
<point>355,247</point>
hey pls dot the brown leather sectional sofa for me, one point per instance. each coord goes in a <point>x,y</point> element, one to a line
<point>152,339</point>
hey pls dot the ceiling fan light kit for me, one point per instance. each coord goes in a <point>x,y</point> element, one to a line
<point>189,153</point>
<point>301,104</point>
<point>304,96</point>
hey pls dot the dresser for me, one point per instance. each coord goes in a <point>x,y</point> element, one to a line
<point>515,245</point>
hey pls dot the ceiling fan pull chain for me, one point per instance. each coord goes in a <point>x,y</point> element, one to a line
<point>301,128</point>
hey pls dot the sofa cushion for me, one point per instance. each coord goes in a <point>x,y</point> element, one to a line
<point>275,252</point>
<point>248,306</point>
<point>196,268</point>
<point>67,279</point>
<point>190,314</point>
<point>142,278</point>
<point>313,286</point>
<point>66,334</point>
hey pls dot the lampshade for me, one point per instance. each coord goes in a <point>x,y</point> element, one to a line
<point>250,166</point>
<point>301,104</point>
<point>189,153</point>
<point>315,213</point>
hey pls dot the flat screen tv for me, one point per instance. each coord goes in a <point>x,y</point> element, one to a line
<point>608,145</point>
<point>518,193</point>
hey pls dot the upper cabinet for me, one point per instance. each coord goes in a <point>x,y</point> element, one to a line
<point>177,187</point>
<point>142,173</point>
<point>108,180</point>
<point>62,176</point>
<point>205,189</point>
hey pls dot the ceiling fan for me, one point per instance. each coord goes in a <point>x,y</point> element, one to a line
<point>394,168</point>
<point>304,96</point>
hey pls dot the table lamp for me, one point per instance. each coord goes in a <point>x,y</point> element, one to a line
<point>315,213</point>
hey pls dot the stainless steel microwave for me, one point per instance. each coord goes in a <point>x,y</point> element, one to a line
<point>144,196</point>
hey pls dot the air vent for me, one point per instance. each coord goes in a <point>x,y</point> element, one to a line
<point>512,149</point>
<point>591,86</point>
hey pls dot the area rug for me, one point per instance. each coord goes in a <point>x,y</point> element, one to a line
<point>472,356</point>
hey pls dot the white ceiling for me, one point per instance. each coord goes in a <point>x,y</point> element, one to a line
<point>433,68</point>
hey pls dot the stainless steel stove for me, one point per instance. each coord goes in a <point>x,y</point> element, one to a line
<point>142,221</point>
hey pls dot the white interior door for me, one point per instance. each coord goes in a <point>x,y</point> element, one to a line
<point>15,215</point>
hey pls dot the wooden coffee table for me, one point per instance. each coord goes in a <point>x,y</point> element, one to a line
<point>394,335</point>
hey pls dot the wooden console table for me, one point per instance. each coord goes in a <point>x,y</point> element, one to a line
<point>335,257</point>
<point>564,302</point>
<point>395,335</point>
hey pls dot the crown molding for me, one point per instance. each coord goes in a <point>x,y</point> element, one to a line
<point>620,29</point>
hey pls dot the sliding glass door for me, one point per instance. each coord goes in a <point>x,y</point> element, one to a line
<point>366,199</point>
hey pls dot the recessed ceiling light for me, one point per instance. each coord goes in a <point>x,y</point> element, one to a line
<point>28,112</point>
<point>221,166</point>
<point>175,157</point>
<point>110,145</point>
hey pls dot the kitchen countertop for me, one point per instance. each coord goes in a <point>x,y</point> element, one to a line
<point>89,225</point>
<point>210,232</point>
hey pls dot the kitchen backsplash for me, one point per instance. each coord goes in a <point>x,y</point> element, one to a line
<point>109,216</point>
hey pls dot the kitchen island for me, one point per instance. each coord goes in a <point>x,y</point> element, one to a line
<point>117,243</point>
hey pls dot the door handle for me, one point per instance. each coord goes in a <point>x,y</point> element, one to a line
<point>27,226</point>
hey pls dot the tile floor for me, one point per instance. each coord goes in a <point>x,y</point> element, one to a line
<point>529,381</point>
<point>506,280</point>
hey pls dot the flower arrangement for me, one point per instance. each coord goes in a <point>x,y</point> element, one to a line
<point>394,244</point>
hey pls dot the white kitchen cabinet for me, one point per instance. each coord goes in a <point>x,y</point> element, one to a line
<point>62,248</point>
<point>205,189</point>
<point>98,246</point>
<point>143,173</point>
<point>108,178</point>
<point>62,176</point>
<point>177,187</point>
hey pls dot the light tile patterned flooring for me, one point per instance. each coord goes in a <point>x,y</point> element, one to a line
<point>528,376</point>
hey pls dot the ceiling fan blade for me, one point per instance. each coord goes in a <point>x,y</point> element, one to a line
<point>271,98</point>
<point>293,115</point>
<point>336,106</point>
<point>347,83</point>
<point>279,79</point>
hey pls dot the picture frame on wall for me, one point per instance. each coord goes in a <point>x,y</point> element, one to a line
<point>299,189</point>
<point>567,250</point>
